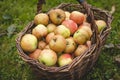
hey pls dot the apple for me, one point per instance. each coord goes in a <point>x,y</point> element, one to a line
<point>39,31</point>
<point>28,43</point>
<point>57,16</point>
<point>88,43</point>
<point>65,59</point>
<point>70,45</point>
<point>85,24</point>
<point>80,49</point>
<point>47,47</point>
<point>67,14</point>
<point>51,27</point>
<point>49,37</point>
<point>41,18</point>
<point>57,43</point>
<point>77,17</point>
<point>71,25</point>
<point>62,30</point>
<point>35,54</point>
<point>48,57</point>
<point>101,24</point>
<point>81,36</point>
<point>41,45</point>
<point>87,29</point>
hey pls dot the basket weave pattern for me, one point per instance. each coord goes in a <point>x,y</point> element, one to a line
<point>80,64</point>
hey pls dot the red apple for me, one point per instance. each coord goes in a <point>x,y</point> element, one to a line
<point>48,57</point>
<point>57,16</point>
<point>57,43</point>
<point>39,31</point>
<point>49,37</point>
<point>65,59</point>
<point>70,45</point>
<point>67,15</point>
<point>28,42</point>
<point>51,27</point>
<point>41,45</point>
<point>35,54</point>
<point>62,30</point>
<point>101,25</point>
<point>77,17</point>
<point>81,36</point>
<point>71,25</point>
<point>80,49</point>
<point>41,18</point>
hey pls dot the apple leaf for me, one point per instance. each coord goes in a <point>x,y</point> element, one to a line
<point>10,30</point>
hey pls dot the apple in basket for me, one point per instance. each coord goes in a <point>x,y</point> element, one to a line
<point>28,43</point>
<point>64,59</point>
<point>81,36</point>
<point>67,14</point>
<point>41,44</point>
<point>77,17</point>
<point>35,54</point>
<point>101,25</point>
<point>57,43</point>
<point>39,31</point>
<point>48,57</point>
<point>49,37</point>
<point>41,18</point>
<point>70,45</point>
<point>57,16</point>
<point>51,27</point>
<point>62,30</point>
<point>80,49</point>
<point>71,25</point>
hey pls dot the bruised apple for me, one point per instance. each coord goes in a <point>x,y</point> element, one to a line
<point>70,45</point>
<point>39,31</point>
<point>57,16</point>
<point>71,25</point>
<point>35,54</point>
<point>62,30</point>
<point>57,43</point>
<point>49,37</point>
<point>29,42</point>
<point>48,57</point>
<point>41,18</point>
<point>65,59</point>
<point>41,45</point>
<point>80,49</point>
<point>77,17</point>
<point>51,27</point>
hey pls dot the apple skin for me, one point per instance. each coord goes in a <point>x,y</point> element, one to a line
<point>49,37</point>
<point>71,25</point>
<point>80,49</point>
<point>41,45</point>
<point>80,36</point>
<point>41,18</point>
<point>87,29</point>
<point>67,14</point>
<point>34,55</point>
<point>70,45</point>
<point>57,16</point>
<point>40,31</point>
<point>101,25</point>
<point>48,57</point>
<point>29,43</point>
<point>57,43</point>
<point>64,59</point>
<point>62,30</point>
<point>85,24</point>
<point>51,27</point>
<point>77,17</point>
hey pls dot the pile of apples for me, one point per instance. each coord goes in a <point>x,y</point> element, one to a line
<point>58,37</point>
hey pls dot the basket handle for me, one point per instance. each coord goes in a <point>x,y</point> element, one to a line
<point>87,7</point>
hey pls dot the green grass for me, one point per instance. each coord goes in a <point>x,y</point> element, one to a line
<point>18,13</point>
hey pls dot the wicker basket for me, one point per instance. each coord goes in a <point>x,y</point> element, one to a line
<point>80,64</point>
